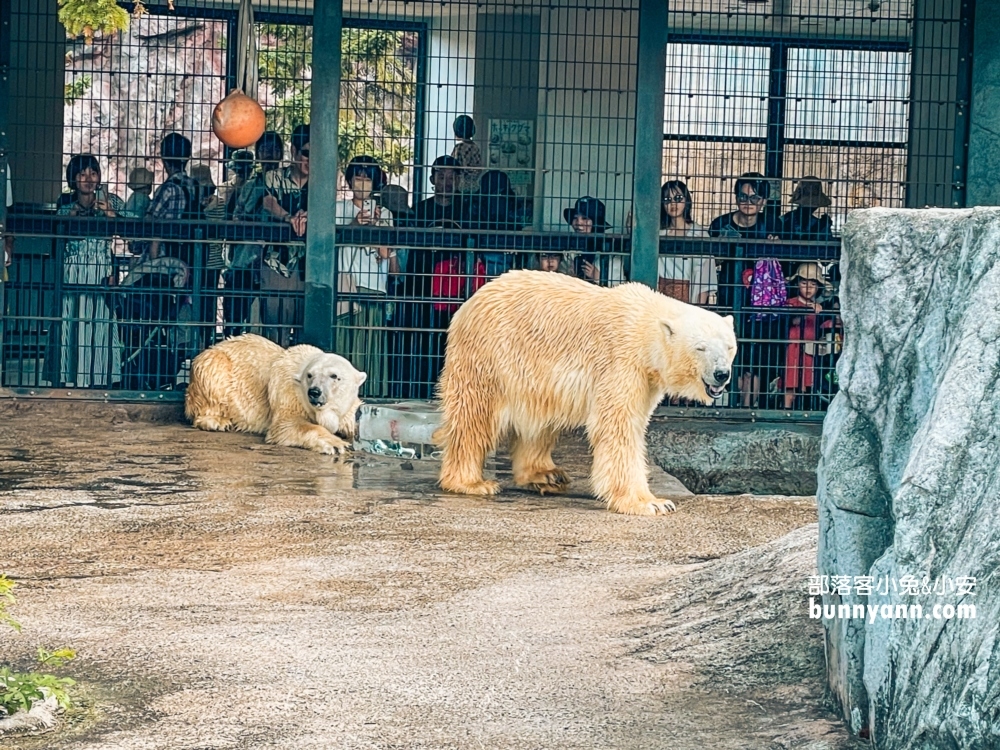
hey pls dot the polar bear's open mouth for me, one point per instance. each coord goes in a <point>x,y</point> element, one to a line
<point>714,390</point>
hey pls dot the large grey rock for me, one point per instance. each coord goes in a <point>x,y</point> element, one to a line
<point>733,458</point>
<point>909,476</point>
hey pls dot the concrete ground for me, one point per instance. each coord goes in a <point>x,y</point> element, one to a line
<point>221,593</point>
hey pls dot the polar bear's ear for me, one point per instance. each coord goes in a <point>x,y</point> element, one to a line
<point>667,329</point>
<point>362,377</point>
<point>729,319</point>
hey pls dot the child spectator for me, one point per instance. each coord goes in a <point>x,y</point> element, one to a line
<point>467,154</point>
<point>800,353</point>
<point>550,262</point>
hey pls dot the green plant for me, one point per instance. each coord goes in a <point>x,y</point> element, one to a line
<point>88,17</point>
<point>77,89</point>
<point>20,690</point>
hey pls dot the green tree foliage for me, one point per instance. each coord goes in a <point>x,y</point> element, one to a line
<point>88,17</point>
<point>377,90</point>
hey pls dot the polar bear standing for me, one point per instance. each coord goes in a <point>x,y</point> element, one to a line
<point>301,397</point>
<point>532,354</point>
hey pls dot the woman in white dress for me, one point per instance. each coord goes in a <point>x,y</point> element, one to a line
<point>691,279</point>
<point>364,271</point>
<point>90,351</point>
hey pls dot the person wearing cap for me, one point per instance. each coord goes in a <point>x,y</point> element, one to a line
<point>140,182</point>
<point>802,223</point>
<point>587,216</point>
<point>467,154</point>
<point>364,271</point>
<point>813,287</point>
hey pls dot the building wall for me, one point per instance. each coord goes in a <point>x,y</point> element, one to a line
<point>933,111</point>
<point>35,107</point>
<point>984,136</point>
<point>586,110</point>
<point>451,74</point>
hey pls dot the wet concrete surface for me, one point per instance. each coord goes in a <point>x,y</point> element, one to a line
<point>222,593</point>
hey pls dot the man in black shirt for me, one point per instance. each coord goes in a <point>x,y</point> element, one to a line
<point>446,205</point>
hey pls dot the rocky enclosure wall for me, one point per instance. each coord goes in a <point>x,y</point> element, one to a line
<point>909,477</point>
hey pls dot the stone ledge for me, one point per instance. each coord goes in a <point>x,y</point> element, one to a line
<point>720,457</point>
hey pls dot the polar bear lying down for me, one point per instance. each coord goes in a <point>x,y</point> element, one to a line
<point>532,354</point>
<point>302,397</point>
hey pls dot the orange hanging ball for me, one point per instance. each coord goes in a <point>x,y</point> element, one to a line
<point>238,120</point>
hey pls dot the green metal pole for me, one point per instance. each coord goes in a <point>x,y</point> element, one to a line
<point>647,170</point>
<point>321,251</point>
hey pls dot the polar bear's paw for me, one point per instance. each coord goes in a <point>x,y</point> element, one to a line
<point>644,506</point>
<point>549,482</point>
<point>662,507</point>
<point>213,423</point>
<point>332,445</point>
<point>482,488</point>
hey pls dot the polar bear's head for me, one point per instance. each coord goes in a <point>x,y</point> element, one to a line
<point>702,346</point>
<point>329,385</point>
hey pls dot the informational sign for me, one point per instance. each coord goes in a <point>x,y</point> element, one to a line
<point>512,150</point>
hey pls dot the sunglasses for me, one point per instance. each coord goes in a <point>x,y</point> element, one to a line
<point>749,198</point>
<point>304,152</point>
<point>674,198</point>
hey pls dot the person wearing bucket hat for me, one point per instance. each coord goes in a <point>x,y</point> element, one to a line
<point>587,216</point>
<point>802,223</point>
<point>799,376</point>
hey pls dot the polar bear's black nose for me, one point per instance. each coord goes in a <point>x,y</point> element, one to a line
<point>721,376</point>
<point>314,393</point>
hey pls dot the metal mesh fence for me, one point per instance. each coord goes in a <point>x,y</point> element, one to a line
<point>474,138</point>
